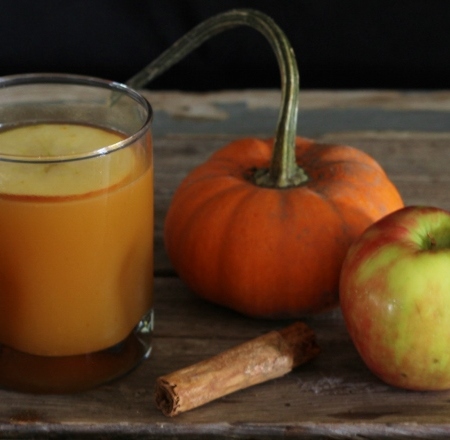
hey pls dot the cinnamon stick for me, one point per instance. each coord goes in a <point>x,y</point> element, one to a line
<point>261,359</point>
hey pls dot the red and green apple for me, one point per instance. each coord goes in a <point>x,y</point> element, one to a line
<point>395,298</point>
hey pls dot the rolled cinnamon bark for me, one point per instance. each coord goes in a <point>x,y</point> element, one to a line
<point>267,357</point>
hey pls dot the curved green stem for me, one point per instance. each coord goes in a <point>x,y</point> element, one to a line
<point>284,171</point>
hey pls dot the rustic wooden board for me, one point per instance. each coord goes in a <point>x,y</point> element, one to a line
<point>334,396</point>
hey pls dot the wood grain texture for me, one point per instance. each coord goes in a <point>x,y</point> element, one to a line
<point>334,396</point>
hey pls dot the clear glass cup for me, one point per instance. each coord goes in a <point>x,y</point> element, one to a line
<point>76,232</point>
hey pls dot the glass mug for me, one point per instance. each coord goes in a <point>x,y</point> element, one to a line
<point>76,232</point>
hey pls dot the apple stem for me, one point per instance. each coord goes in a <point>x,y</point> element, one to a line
<point>433,243</point>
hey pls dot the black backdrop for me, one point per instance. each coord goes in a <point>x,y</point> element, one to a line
<point>339,43</point>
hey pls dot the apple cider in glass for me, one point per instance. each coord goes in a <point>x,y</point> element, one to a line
<point>76,232</point>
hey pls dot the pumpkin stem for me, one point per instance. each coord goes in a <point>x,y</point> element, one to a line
<point>283,171</point>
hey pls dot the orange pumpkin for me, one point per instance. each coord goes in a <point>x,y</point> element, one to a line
<point>263,226</point>
<point>271,252</point>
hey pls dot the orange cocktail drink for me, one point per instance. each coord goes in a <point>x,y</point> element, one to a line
<point>76,232</point>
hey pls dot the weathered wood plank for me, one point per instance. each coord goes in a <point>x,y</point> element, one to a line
<point>320,112</point>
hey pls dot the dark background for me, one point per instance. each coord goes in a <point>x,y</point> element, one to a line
<point>339,43</point>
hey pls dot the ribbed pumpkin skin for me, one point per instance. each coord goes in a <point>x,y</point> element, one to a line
<point>273,253</point>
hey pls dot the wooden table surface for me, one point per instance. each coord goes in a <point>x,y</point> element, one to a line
<point>334,396</point>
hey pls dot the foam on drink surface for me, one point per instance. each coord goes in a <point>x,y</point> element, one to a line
<point>53,178</point>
